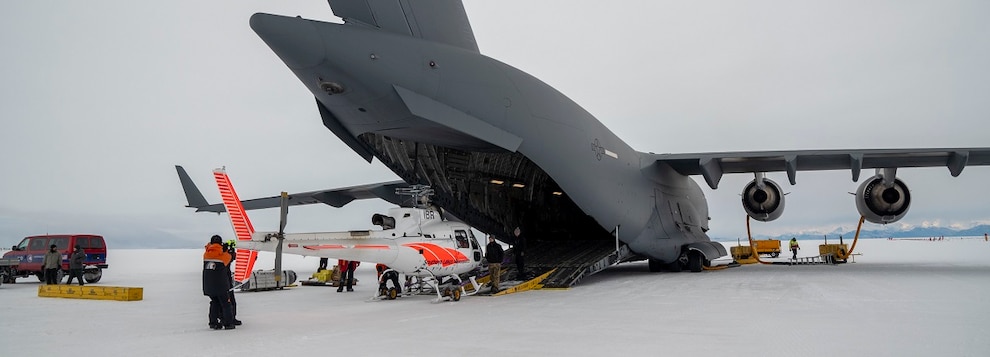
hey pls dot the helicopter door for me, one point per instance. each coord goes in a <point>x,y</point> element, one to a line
<point>464,241</point>
<point>475,247</point>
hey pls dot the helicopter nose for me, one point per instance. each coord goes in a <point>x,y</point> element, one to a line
<point>295,40</point>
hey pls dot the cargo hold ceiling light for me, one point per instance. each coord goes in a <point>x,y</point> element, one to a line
<point>496,182</point>
<point>518,185</point>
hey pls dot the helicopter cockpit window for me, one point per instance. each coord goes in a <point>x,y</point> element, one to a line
<point>462,239</point>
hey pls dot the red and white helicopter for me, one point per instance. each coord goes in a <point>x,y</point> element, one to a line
<point>415,241</point>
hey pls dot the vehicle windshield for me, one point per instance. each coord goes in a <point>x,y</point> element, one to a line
<point>23,245</point>
<point>39,243</point>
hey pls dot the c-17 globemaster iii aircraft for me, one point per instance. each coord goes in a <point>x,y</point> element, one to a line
<point>404,81</point>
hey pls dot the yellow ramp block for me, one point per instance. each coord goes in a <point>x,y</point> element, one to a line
<point>117,293</point>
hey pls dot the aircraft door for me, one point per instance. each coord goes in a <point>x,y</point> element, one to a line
<point>475,247</point>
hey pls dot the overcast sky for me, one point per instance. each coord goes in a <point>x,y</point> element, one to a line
<point>101,98</point>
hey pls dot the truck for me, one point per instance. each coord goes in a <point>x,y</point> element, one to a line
<point>30,252</point>
<point>8,267</point>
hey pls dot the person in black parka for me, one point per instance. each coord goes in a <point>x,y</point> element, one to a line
<point>216,284</point>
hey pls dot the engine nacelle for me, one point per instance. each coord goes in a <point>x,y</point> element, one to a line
<point>879,204</point>
<point>763,203</point>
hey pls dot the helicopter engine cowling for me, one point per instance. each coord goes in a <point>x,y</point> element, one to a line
<point>386,222</point>
<point>879,204</point>
<point>763,204</point>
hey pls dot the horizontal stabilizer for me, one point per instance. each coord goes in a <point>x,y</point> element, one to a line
<point>337,197</point>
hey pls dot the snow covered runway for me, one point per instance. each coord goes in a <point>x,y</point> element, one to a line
<point>900,298</point>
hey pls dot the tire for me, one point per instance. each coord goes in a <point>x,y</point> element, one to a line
<point>392,293</point>
<point>695,261</point>
<point>93,276</point>
<point>655,265</point>
<point>675,266</point>
<point>455,294</point>
<point>774,254</point>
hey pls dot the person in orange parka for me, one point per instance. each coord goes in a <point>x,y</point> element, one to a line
<point>216,284</point>
<point>346,274</point>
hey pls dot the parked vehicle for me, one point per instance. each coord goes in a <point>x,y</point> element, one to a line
<point>30,252</point>
<point>7,268</point>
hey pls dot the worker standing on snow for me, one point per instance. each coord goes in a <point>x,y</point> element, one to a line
<point>346,274</point>
<point>52,263</point>
<point>794,247</point>
<point>494,255</point>
<point>216,284</point>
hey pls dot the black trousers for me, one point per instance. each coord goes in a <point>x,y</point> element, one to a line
<point>347,278</point>
<point>75,273</point>
<point>394,277</point>
<point>51,276</point>
<point>220,311</point>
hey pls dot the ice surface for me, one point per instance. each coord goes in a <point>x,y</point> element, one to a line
<point>900,298</point>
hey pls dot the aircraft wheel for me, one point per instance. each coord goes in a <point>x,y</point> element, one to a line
<point>392,293</point>
<point>655,265</point>
<point>455,294</point>
<point>694,261</point>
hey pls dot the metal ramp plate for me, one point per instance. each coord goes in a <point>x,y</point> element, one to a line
<point>572,261</point>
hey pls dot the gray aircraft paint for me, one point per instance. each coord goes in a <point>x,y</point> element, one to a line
<point>377,78</point>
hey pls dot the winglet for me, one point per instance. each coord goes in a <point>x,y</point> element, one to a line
<point>239,221</point>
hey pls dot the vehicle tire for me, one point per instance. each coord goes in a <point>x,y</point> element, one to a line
<point>655,265</point>
<point>774,254</point>
<point>695,261</point>
<point>446,292</point>
<point>93,276</point>
<point>675,266</point>
<point>455,294</point>
<point>392,293</point>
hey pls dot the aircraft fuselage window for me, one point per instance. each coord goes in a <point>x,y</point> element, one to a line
<point>462,238</point>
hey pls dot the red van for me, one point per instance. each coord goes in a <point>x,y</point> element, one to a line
<point>31,252</point>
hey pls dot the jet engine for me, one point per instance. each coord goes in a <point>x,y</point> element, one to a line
<point>763,200</point>
<point>882,203</point>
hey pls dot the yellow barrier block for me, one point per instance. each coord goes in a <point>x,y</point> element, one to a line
<point>117,293</point>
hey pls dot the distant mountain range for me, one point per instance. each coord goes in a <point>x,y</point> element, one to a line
<point>887,231</point>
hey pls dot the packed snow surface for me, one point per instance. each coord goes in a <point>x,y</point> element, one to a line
<point>900,298</point>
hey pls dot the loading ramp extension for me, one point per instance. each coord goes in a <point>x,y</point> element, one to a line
<point>570,261</point>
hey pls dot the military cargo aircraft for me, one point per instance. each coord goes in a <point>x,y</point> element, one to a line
<point>404,82</point>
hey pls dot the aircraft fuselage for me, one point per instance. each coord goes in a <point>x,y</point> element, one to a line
<point>531,156</point>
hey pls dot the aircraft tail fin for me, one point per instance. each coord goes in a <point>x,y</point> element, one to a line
<point>194,198</point>
<point>240,222</point>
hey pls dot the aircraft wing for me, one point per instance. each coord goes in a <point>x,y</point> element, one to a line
<point>443,21</point>
<point>337,197</point>
<point>712,165</point>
